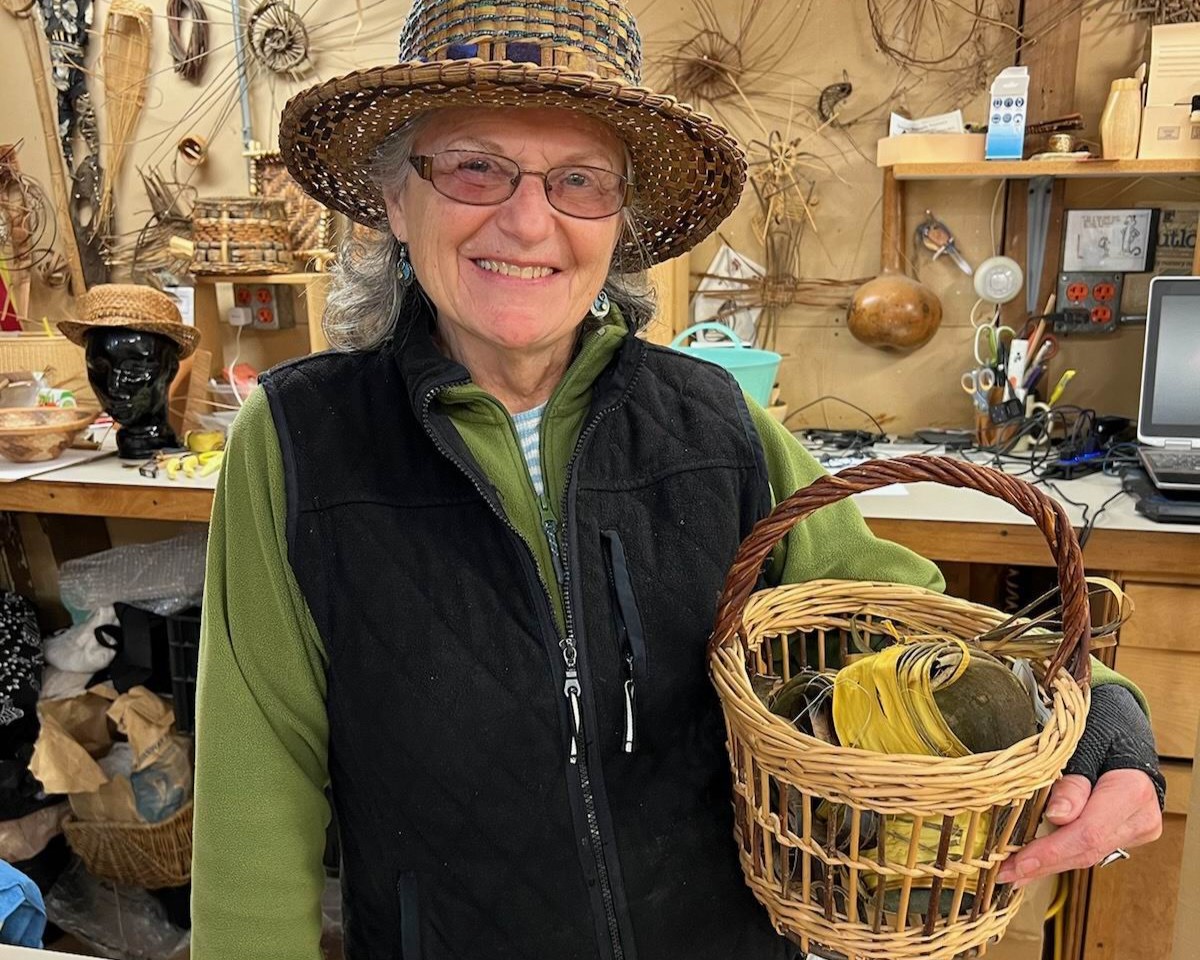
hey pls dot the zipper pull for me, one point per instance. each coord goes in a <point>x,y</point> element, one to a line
<point>628,741</point>
<point>571,692</point>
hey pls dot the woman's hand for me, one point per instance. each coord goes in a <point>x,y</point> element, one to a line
<point>1122,810</point>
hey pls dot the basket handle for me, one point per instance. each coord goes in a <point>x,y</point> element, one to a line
<point>709,325</point>
<point>1047,513</point>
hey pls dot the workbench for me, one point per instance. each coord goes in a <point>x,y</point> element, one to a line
<point>1157,565</point>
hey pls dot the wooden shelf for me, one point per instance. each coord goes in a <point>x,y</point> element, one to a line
<point>107,500</point>
<point>290,278</point>
<point>1027,169</point>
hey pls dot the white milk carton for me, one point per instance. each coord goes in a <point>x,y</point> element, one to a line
<point>1006,117</point>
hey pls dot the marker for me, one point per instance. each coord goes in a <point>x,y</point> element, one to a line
<point>1060,387</point>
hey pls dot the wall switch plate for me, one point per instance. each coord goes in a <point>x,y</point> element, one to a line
<point>1088,302</point>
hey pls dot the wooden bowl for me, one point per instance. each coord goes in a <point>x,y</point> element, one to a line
<point>32,434</point>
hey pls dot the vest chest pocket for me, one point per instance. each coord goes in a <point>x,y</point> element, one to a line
<point>628,623</point>
<point>408,899</point>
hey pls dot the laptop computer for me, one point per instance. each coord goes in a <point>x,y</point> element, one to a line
<point>1169,408</point>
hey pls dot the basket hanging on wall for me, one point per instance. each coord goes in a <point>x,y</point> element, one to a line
<point>240,235</point>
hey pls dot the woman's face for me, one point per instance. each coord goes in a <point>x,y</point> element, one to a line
<point>460,252</point>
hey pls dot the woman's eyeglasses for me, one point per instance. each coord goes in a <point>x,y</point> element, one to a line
<point>485,179</point>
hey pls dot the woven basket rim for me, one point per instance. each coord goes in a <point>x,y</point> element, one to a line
<point>86,416</point>
<point>326,148</point>
<point>981,761</point>
<point>136,825</point>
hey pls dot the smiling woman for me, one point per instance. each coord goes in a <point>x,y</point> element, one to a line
<point>462,569</point>
<point>370,271</point>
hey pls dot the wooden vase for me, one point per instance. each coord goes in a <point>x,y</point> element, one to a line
<point>1121,121</point>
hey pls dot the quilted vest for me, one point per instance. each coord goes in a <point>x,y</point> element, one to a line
<point>503,791</point>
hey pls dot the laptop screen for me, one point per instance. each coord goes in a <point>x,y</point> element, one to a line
<point>1170,400</point>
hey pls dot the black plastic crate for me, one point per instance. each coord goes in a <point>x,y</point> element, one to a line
<point>183,644</point>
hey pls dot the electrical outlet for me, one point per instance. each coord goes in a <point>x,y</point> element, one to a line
<point>270,305</point>
<point>240,316</point>
<point>1088,302</point>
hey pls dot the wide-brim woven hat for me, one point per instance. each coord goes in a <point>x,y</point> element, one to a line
<point>132,306</point>
<point>582,55</point>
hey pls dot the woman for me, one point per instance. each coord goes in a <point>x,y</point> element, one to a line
<point>463,570</point>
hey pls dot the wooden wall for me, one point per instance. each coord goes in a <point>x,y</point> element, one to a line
<point>819,355</point>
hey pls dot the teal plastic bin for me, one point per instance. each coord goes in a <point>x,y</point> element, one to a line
<point>755,370</point>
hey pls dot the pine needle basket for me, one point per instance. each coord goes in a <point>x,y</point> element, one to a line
<point>805,809</point>
<point>241,235</point>
<point>147,855</point>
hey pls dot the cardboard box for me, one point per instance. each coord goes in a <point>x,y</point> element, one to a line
<point>1169,134</point>
<point>1174,64</point>
<point>930,148</point>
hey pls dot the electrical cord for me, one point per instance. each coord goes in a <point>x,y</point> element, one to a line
<point>881,433</point>
<point>1073,425</point>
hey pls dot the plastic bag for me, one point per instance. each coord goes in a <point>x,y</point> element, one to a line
<point>123,923</point>
<point>166,576</point>
<point>76,648</point>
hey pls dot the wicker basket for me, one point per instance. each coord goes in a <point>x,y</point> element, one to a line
<point>149,855</point>
<point>240,235</point>
<point>806,811</point>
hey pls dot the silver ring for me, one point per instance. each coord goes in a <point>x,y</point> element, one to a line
<point>1113,857</point>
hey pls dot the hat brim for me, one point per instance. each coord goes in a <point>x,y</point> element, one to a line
<point>186,337</point>
<point>688,172</point>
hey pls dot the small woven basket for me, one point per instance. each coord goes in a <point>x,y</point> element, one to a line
<point>809,816</point>
<point>148,855</point>
<point>240,235</point>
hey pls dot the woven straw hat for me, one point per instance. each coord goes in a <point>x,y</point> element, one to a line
<point>133,306</point>
<point>582,55</point>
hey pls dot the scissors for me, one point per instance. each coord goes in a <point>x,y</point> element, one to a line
<point>979,383</point>
<point>994,344</point>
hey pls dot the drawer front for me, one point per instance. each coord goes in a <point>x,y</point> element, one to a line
<point>1165,617</point>
<point>1171,682</point>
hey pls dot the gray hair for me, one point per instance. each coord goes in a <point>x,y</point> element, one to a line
<point>366,293</point>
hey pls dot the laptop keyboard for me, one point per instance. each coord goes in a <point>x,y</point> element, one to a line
<point>1175,462</point>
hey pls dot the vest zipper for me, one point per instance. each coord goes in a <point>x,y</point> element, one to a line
<point>585,782</point>
<point>572,689</point>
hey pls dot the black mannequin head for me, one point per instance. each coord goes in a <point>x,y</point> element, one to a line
<point>131,372</point>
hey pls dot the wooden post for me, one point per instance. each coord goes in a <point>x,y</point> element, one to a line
<point>58,180</point>
<point>1052,62</point>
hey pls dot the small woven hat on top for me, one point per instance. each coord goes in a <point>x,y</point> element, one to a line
<point>582,55</point>
<point>132,306</point>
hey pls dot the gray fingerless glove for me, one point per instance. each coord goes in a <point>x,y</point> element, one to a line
<point>1117,736</point>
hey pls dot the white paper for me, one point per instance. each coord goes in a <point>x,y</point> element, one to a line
<point>836,465</point>
<point>729,272</point>
<point>951,122</point>
<point>185,300</point>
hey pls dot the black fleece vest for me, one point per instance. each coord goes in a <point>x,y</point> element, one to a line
<point>468,830</point>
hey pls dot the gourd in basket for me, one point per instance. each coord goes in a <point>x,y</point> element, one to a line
<point>883,841</point>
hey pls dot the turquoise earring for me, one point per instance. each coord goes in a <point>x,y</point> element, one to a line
<point>600,306</point>
<point>404,270</point>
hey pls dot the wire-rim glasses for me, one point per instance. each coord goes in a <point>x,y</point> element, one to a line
<point>488,179</point>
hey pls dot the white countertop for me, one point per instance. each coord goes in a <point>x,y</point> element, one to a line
<point>934,501</point>
<point>917,501</point>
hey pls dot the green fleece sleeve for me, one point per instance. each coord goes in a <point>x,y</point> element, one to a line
<point>261,727</point>
<point>834,542</point>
